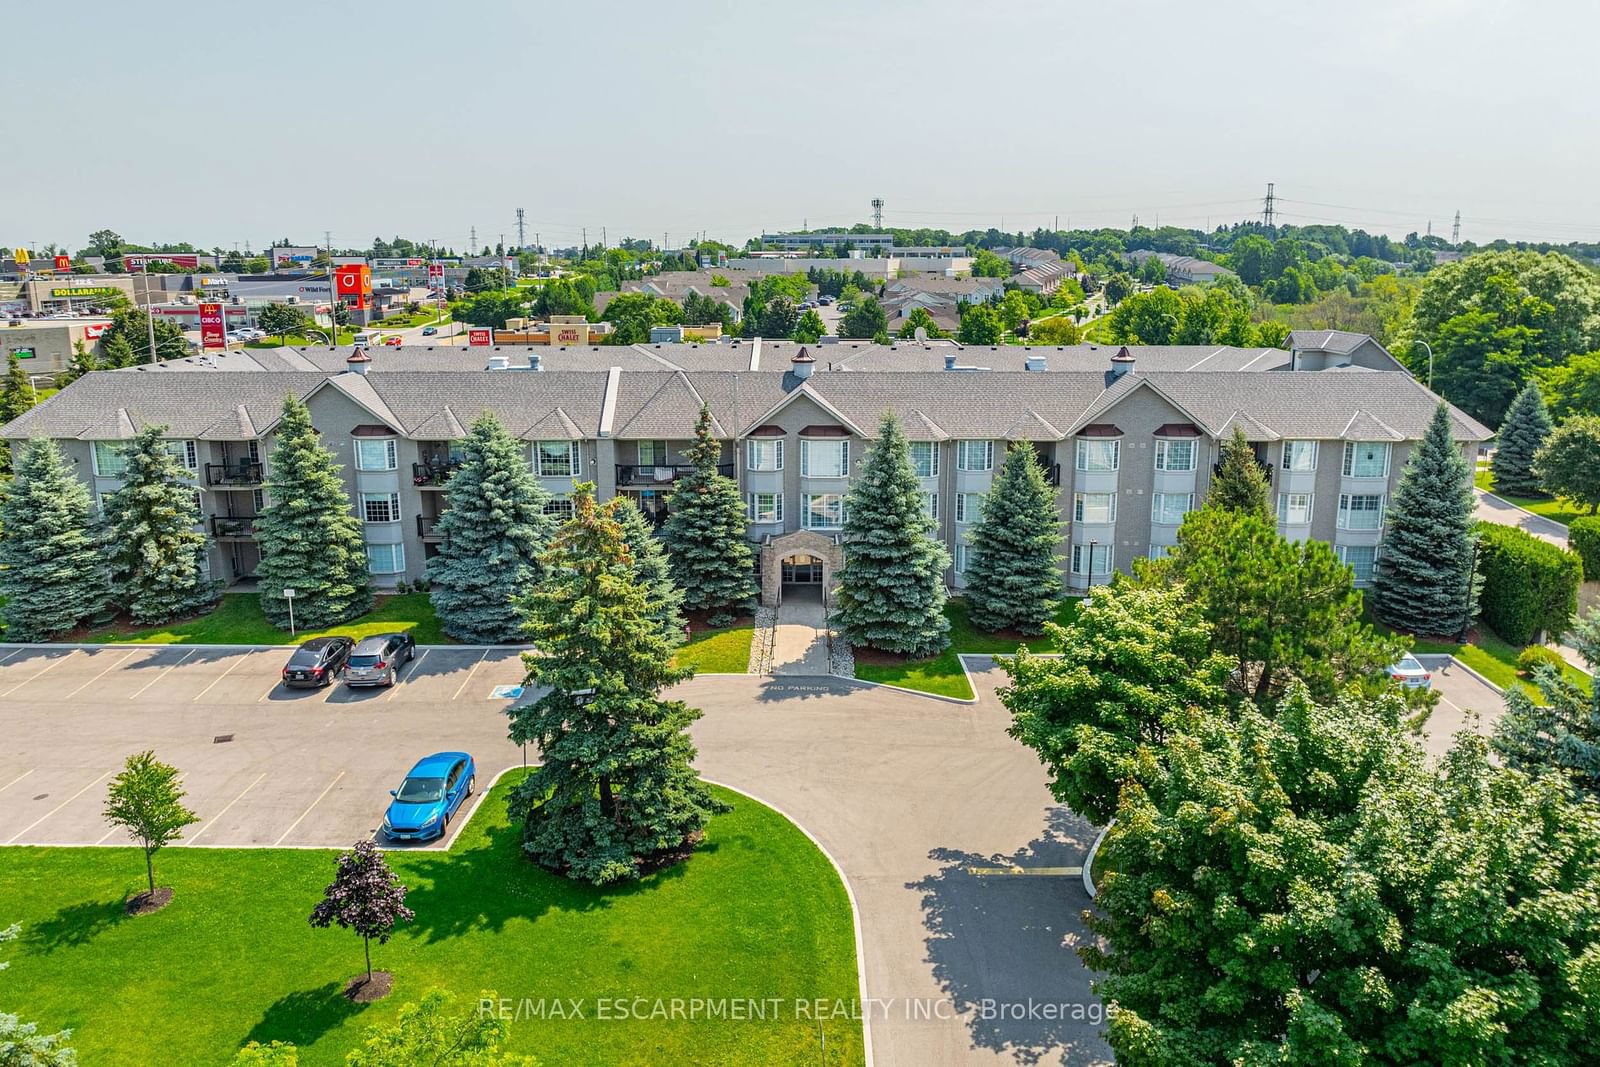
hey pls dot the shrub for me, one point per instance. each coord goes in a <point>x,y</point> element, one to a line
<point>1529,585</point>
<point>1535,656</point>
<point>1583,537</point>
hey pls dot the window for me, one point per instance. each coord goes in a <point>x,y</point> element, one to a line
<point>969,507</point>
<point>1160,551</point>
<point>1299,455</point>
<point>1098,453</point>
<point>1174,455</point>
<point>560,507</point>
<point>930,504</point>
<point>974,455</point>
<point>1168,509</point>
<point>184,452</point>
<point>652,453</point>
<point>925,458</point>
<point>1359,558</point>
<point>766,507</point>
<point>1294,509</point>
<point>825,459</point>
<point>557,459</point>
<point>1366,459</point>
<point>1101,559</point>
<point>109,462</point>
<point>386,559</point>
<point>824,511</point>
<point>1094,507</point>
<point>765,455</point>
<point>1360,511</point>
<point>259,499</point>
<point>375,454</point>
<point>961,558</point>
<point>380,507</point>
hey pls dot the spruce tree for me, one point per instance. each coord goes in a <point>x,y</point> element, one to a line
<point>1523,432</point>
<point>706,532</point>
<point>155,556</point>
<point>492,534</point>
<point>310,540</point>
<point>82,363</point>
<point>1424,565</point>
<point>1240,484</point>
<point>16,397</point>
<point>1013,570</point>
<point>891,588</point>
<point>653,570</point>
<point>52,576</point>
<point>615,791</point>
<point>1561,730</point>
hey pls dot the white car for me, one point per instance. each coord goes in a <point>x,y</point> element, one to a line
<point>1411,674</point>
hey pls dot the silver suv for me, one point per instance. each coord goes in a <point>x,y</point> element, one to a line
<point>377,660</point>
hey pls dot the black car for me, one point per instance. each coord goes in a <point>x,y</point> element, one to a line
<point>376,660</point>
<point>315,663</point>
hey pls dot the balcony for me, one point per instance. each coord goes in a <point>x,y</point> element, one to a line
<point>1052,474</point>
<point>425,527</point>
<point>433,473</point>
<point>1266,469</point>
<point>244,474</point>
<point>660,474</point>
<point>233,527</point>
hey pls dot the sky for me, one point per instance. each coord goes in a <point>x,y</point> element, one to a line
<point>237,124</point>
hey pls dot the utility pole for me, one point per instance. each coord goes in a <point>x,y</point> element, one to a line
<point>1455,230</point>
<point>522,238</point>
<point>1135,224</point>
<point>603,237</point>
<point>1270,208</point>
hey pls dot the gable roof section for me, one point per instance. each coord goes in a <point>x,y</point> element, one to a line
<point>236,425</point>
<point>804,389</point>
<point>1253,428</point>
<point>1365,426</point>
<point>1032,426</point>
<point>556,426</point>
<point>441,426</point>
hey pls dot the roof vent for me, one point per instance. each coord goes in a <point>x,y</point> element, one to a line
<point>949,361</point>
<point>498,362</point>
<point>535,361</point>
<point>803,364</point>
<point>1035,361</point>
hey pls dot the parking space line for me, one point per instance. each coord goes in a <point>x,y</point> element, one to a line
<point>220,677</point>
<point>108,834</point>
<point>58,807</point>
<point>103,673</point>
<point>215,818</point>
<point>470,673</point>
<point>41,674</point>
<point>17,779</point>
<point>303,814</point>
<point>13,652</point>
<point>162,674</point>
<point>414,667</point>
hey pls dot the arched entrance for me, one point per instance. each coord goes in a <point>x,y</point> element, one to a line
<point>803,560</point>
<point>802,568</point>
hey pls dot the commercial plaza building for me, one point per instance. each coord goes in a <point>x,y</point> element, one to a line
<point>1128,437</point>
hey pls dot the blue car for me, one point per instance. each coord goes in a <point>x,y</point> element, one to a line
<point>430,795</point>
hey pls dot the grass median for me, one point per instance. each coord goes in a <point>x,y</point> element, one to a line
<point>1556,509</point>
<point>237,620</point>
<point>942,674</point>
<point>720,650</point>
<point>757,912</point>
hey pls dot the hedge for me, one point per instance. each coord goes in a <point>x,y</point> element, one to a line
<point>1583,536</point>
<point>1529,585</point>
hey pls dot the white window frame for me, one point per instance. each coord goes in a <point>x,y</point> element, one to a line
<point>1080,457</point>
<point>397,557</point>
<point>559,506</point>
<point>391,502</point>
<point>1346,510</point>
<point>1350,455</point>
<point>1372,567</point>
<point>930,504</point>
<point>1078,511</point>
<point>964,457</point>
<point>807,517</point>
<point>1164,446</point>
<point>574,459</point>
<point>842,447</point>
<point>657,447</point>
<point>961,553</point>
<point>1299,447</point>
<point>114,454</point>
<point>932,450</point>
<point>1101,552</point>
<point>773,514</point>
<point>753,449</point>
<point>1285,509</point>
<point>969,507</point>
<point>391,453</point>
<point>1157,517</point>
<point>1160,551</point>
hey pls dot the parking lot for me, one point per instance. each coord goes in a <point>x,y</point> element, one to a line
<point>263,764</point>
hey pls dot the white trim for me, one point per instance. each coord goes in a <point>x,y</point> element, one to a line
<point>608,406</point>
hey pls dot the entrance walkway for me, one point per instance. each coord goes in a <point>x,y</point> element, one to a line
<point>801,644</point>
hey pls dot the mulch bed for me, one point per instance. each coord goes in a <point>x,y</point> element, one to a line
<point>146,903</point>
<point>671,857</point>
<point>362,991</point>
<point>878,657</point>
<point>698,625</point>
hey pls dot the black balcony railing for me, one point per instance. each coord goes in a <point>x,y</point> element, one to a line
<point>425,530</point>
<point>1266,469</point>
<point>233,527</point>
<point>660,474</point>
<point>433,472</point>
<point>238,472</point>
<point>1053,475</point>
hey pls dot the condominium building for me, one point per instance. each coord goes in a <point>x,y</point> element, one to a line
<point>1129,437</point>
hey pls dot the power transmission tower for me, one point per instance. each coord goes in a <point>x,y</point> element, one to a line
<point>522,237</point>
<point>1135,224</point>
<point>877,213</point>
<point>472,241</point>
<point>1269,210</point>
<point>1455,230</point>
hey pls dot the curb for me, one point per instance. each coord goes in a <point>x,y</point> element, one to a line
<point>157,645</point>
<point>1088,861</point>
<point>1525,511</point>
<point>1422,657</point>
<point>887,685</point>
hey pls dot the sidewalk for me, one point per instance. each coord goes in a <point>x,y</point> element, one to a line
<point>800,645</point>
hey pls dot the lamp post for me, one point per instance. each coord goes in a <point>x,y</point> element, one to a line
<point>288,594</point>
<point>1424,344</point>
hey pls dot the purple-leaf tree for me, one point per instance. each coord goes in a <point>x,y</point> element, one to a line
<point>365,897</point>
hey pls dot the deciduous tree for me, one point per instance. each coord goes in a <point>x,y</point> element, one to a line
<point>919,319</point>
<point>864,319</point>
<point>1013,573</point>
<point>1569,462</point>
<point>146,800</point>
<point>1561,731</point>
<point>979,326</point>
<point>282,320</point>
<point>706,531</point>
<point>52,575</point>
<point>440,1030</point>
<point>155,555</point>
<point>810,327</point>
<point>364,896</point>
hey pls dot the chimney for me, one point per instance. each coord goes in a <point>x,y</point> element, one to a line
<point>803,364</point>
<point>498,362</point>
<point>358,362</point>
<point>949,361</point>
<point>1035,361</point>
<point>1121,363</point>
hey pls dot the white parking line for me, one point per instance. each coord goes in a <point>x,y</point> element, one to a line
<point>41,674</point>
<point>410,670</point>
<point>192,838</point>
<point>102,674</point>
<point>58,807</point>
<point>470,673</point>
<point>17,779</point>
<point>220,677</point>
<point>109,832</point>
<point>13,652</point>
<point>303,814</point>
<point>162,674</point>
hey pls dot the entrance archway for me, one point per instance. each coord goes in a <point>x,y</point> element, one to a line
<point>802,568</point>
<point>803,558</point>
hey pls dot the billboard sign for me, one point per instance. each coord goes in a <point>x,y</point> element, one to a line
<point>480,335</point>
<point>436,274</point>
<point>82,292</point>
<point>213,329</point>
<point>569,335</point>
<point>63,263</point>
<point>292,255</point>
<point>93,330</point>
<point>136,260</point>
<point>353,284</point>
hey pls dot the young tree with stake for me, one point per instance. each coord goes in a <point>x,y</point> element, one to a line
<point>146,800</point>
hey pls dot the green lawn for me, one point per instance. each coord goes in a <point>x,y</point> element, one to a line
<point>238,621</point>
<point>407,319</point>
<point>724,651</point>
<point>942,674</point>
<point>1489,655</point>
<point>757,912</point>
<point>1099,331</point>
<point>303,340</point>
<point>1560,509</point>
